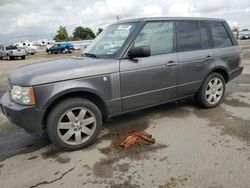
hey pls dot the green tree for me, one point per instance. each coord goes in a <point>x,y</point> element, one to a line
<point>99,31</point>
<point>62,34</point>
<point>83,33</point>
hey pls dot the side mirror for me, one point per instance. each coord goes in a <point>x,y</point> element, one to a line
<point>140,51</point>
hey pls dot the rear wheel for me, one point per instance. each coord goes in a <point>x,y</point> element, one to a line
<point>212,91</point>
<point>74,124</point>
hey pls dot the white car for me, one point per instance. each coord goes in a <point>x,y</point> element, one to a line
<point>29,50</point>
<point>12,52</point>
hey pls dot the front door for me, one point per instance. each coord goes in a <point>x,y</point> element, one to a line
<point>150,80</point>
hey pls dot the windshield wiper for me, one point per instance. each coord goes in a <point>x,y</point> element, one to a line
<point>90,55</point>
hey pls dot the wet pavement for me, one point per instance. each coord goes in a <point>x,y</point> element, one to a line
<point>194,147</point>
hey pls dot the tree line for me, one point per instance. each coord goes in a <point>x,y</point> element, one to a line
<point>79,33</point>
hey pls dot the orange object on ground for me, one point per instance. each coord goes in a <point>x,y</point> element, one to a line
<point>136,137</point>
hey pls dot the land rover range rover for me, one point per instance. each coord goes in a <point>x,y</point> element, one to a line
<point>132,64</point>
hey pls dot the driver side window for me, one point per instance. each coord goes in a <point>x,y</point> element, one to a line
<point>158,36</point>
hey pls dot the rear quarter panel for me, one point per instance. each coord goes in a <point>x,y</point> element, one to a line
<point>227,58</point>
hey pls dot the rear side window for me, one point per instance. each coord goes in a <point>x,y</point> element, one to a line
<point>189,35</point>
<point>220,35</point>
<point>158,36</point>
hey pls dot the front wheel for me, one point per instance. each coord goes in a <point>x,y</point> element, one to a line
<point>9,57</point>
<point>74,124</point>
<point>212,91</point>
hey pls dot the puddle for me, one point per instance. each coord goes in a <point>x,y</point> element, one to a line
<point>228,124</point>
<point>238,99</point>
<point>106,167</point>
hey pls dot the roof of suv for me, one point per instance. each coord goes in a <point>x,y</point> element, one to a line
<point>167,18</point>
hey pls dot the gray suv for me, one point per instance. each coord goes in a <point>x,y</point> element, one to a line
<point>133,64</point>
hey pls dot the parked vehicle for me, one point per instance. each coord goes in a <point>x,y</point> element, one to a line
<point>29,50</point>
<point>65,47</point>
<point>147,62</point>
<point>244,35</point>
<point>11,52</point>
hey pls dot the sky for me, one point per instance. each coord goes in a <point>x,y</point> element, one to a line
<point>40,19</point>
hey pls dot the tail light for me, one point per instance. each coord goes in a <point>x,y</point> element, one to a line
<point>240,59</point>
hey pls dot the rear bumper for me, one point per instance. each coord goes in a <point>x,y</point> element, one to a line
<point>18,54</point>
<point>235,73</point>
<point>27,117</point>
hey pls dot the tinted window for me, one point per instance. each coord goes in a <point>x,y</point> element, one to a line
<point>189,36</point>
<point>158,36</point>
<point>220,35</point>
<point>204,36</point>
<point>11,47</point>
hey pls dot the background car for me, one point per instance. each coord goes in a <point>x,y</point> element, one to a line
<point>29,50</point>
<point>244,35</point>
<point>11,52</point>
<point>61,48</point>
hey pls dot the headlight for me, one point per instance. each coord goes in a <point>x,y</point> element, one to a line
<point>23,95</point>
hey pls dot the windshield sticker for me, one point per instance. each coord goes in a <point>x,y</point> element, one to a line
<point>125,27</point>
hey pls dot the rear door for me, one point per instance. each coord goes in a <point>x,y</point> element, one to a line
<point>150,80</point>
<point>194,55</point>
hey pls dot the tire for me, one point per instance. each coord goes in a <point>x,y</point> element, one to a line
<point>1,58</point>
<point>10,57</point>
<point>63,133</point>
<point>23,57</point>
<point>210,93</point>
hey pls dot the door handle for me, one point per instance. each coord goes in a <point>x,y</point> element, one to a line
<point>208,58</point>
<point>171,63</point>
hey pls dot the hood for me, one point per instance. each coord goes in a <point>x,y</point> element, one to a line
<point>62,69</point>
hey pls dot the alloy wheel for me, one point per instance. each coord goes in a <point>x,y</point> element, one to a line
<point>214,90</point>
<point>76,126</point>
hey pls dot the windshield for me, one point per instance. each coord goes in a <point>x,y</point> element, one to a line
<point>110,40</point>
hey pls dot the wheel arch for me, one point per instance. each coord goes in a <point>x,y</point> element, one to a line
<point>221,70</point>
<point>97,100</point>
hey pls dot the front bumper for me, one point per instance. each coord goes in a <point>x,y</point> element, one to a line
<point>27,117</point>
